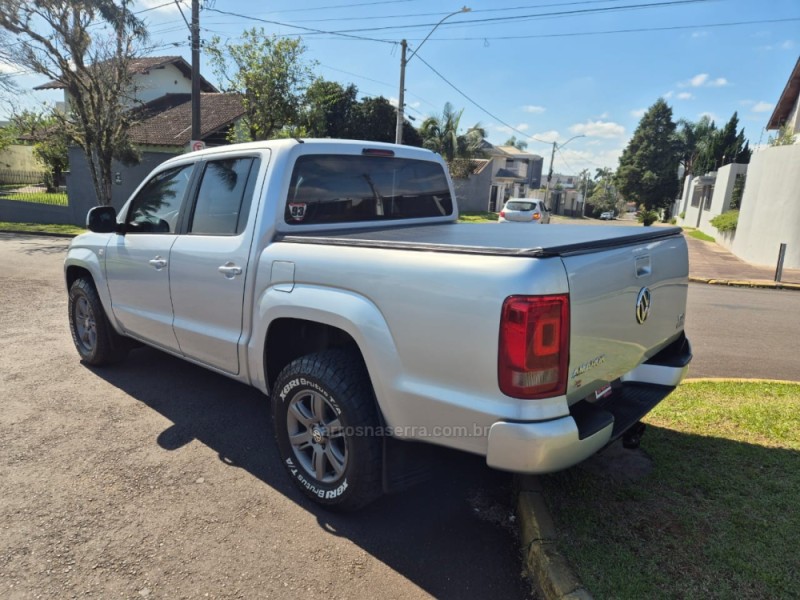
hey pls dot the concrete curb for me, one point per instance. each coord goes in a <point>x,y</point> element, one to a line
<point>41,233</point>
<point>746,283</point>
<point>548,570</point>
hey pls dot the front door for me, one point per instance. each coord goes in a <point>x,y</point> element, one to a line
<point>137,262</point>
<point>208,264</point>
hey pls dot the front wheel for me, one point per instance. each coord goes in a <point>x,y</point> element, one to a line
<point>93,336</point>
<point>326,428</point>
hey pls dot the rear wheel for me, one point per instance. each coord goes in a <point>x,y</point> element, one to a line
<point>93,336</point>
<point>326,428</point>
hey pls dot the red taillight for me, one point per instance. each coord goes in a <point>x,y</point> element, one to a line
<point>534,346</point>
<point>537,216</point>
<point>502,214</point>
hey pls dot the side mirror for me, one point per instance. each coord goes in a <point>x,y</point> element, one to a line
<point>102,219</point>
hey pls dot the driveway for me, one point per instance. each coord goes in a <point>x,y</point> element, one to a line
<point>159,479</point>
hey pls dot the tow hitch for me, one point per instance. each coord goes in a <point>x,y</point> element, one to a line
<point>633,437</point>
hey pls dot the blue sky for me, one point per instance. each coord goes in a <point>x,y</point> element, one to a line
<point>551,77</point>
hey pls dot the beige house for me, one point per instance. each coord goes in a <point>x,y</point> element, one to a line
<point>787,110</point>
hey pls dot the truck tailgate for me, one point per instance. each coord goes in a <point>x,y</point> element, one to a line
<point>626,304</point>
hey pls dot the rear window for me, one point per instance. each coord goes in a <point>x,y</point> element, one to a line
<point>521,205</point>
<point>347,189</point>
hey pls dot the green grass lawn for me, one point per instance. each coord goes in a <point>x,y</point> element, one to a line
<point>478,217</point>
<point>41,228</point>
<point>696,233</point>
<point>718,516</point>
<point>57,199</point>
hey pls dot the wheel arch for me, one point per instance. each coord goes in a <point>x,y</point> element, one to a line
<point>311,319</point>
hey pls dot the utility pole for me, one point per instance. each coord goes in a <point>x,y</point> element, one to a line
<point>549,177</point>
<point>196,131</point>
<point>398,134</point>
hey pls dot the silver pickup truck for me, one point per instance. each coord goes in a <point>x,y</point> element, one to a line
<point>332,276</point>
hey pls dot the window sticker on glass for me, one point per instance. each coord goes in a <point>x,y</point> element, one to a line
<point>297,210</point>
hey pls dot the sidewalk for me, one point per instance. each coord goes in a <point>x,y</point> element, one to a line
<point>711,263</point>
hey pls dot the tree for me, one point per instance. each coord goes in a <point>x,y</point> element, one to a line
<point>723,146</point>
<point>648,167</point>
<point>518,144</point>
<point>53,38</point>
<point>603,195</point>
<point>375,120</point>
<point>785,137</point>
<point>270,73</point>
<point>50,142</point>
<point>441,134</point>
<point>692,140</point>
<point>329,109</point>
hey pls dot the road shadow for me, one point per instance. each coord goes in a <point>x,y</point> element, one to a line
<point>451,536</point>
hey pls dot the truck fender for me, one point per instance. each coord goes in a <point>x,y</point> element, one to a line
<point>85,258</point>
<point>352,313</point>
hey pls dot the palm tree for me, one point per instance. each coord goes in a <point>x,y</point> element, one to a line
<point>440,134</point>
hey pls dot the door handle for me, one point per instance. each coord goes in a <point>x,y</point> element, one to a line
<point>230,270</point>
<point>158,263</point>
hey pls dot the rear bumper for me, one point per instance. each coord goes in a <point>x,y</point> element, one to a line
<point>547,446</point>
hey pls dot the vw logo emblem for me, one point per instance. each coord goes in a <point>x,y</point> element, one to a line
<point>642,305</point>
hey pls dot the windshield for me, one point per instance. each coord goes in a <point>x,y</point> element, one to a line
<point>521,205</point>
<point>350,188</point>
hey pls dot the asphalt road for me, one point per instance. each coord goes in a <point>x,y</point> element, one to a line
<point>158,479</point>
<point>741,332</point>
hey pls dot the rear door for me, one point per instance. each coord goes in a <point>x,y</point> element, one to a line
<point>137,262</point>
<point>626,303</point>
<point>208,263</point>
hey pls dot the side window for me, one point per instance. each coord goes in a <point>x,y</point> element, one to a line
<point>224,197</point>
<point>156,207</point>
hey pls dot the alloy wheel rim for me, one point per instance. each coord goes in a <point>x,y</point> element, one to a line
<point>85,324</point>
<point>317,436</point>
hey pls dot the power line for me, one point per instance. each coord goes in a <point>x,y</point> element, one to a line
<point>563,13</point>
<point>307,29</point>
<point>440,14</point>
<point>615,31</point>
<point>495,117</point>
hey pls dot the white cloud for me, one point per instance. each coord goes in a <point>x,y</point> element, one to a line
<point>685,96</point>
<point>703,80</point>
<point>761,107</point>
<point>668,95</point>
<point>572,160</point>
<point>8,67</point>
<point>638,113</point>
<point>698,80</point>
<point>506,129</point>
<point>787,45</point>
<point>534,109</point>
<point>159,6</point>
<point>548,136</point>
<point>699,34</point>
<point>601,129</point>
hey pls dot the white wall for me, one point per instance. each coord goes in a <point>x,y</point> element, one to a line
<point>720,201</point>
<point>20,158</point>
<point>770,212</point>
<point>158,82</point>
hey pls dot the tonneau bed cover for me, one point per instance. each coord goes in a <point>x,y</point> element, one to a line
<point>507,239</point>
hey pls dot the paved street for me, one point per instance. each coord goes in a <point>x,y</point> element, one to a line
<point>740,332</point>
<point>159,479</point>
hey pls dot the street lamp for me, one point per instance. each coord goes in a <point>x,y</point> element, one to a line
<point>398,137</point>
<point>556,146</point>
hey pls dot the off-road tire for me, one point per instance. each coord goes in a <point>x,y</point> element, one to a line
<point>338,381</point>
<point>94,337</point>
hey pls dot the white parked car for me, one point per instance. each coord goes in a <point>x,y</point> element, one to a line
<point>607,216</point>
<point>524,210</point>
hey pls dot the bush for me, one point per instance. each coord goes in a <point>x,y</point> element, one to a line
<point>726,221</point>
<point>682,215</point>
<point>648,217</point>
<point>673,221</point>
